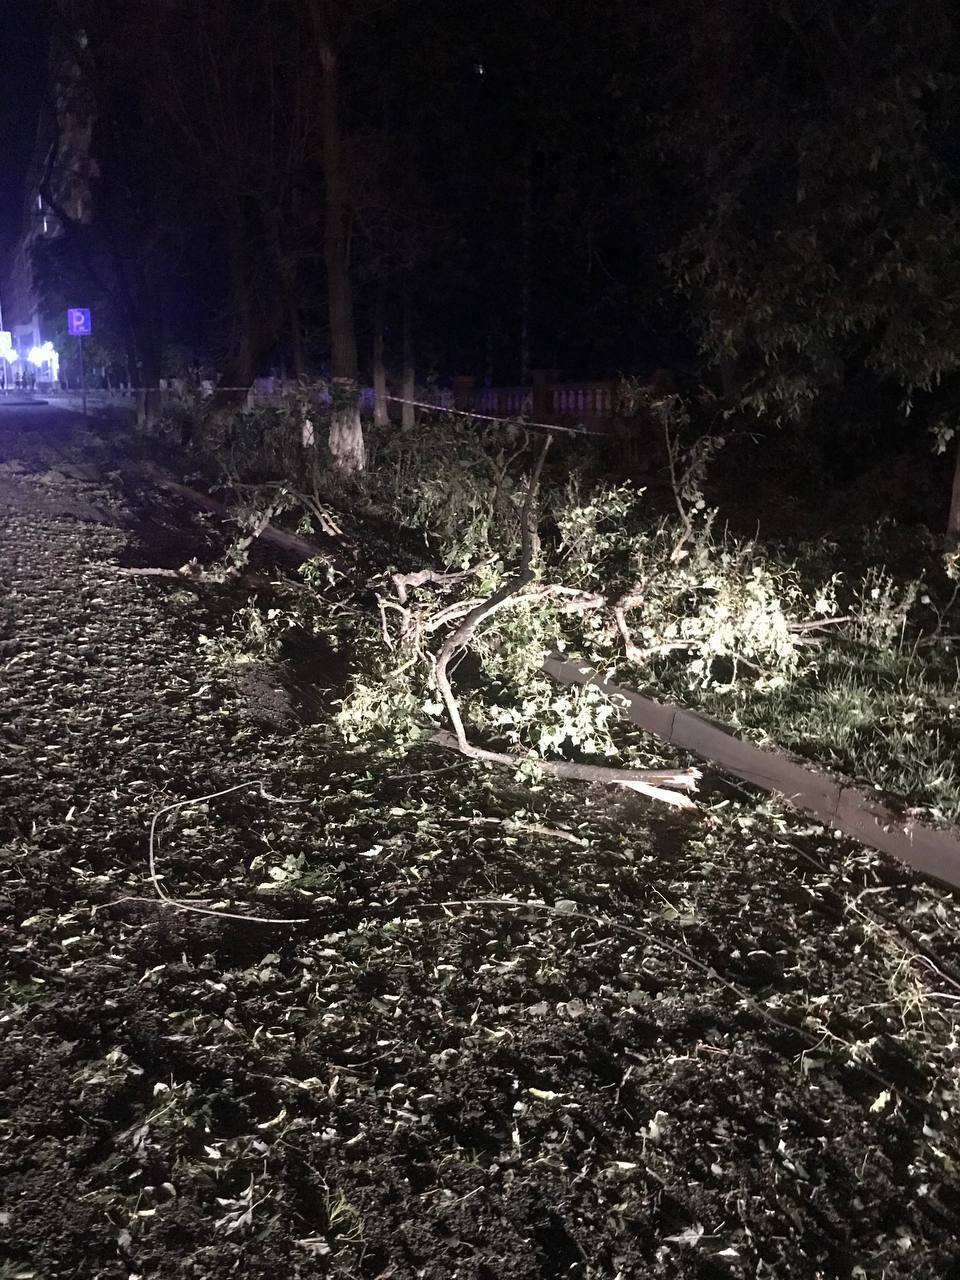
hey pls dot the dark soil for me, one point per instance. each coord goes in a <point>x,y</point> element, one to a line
<point>730,1050</point>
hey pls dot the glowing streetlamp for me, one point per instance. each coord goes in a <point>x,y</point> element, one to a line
<point>45,354</point>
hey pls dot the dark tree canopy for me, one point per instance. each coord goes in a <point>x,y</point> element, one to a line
<point>818,151</point>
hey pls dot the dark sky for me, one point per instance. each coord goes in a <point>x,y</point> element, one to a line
<point>22,44</point>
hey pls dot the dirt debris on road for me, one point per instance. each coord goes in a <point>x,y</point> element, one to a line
<point>397,1088</point>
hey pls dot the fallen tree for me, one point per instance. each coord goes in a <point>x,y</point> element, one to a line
<point>528,555</point>
<point>591,576</point>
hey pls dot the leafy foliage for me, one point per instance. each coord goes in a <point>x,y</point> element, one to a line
<point>710,608</point>
<point>827,245</point>
<point>779,641</point>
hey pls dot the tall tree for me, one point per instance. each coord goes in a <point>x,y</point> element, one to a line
<point>330,19</point>
<point>235,86</point>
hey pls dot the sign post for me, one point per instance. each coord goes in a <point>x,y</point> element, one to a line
<point>79,326</point>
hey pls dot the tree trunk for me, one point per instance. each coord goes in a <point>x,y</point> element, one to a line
<point>148,336</point>
<point>248,344</point>
<point>289,300</point>
<point>296,333</point>
<point>409,393</point>
<point>148,399</point>
<point>257,298</point>
<point>526,218</point>
<point>139,315</point>
<point>346,433</point>
<point>953,520</point>
<point>381,417</point>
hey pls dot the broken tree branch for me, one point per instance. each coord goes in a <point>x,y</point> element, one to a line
<point>293,545</point>
<point>423,577</point>
<point>682,779</point>
<point>649,782</point>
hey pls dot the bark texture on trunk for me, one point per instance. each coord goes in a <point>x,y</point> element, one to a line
<point>381,416</point>
<point>346,433</point>
<point>526,288</point>
<point>254,328</point>
<point>409,393</point>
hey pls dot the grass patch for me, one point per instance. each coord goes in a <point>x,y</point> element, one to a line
<point>876,698</point>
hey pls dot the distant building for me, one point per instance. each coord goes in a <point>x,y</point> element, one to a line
<point>63,162</point>
<point>20,307</point>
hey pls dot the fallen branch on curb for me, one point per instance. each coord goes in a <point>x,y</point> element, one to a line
<point>650,782</point>
<point>931,850</point>
<point>299,548</point>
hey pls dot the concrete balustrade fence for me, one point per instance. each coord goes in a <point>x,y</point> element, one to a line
<point>586,404</point>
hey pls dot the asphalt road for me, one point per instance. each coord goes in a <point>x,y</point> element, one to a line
<point>25,425</point>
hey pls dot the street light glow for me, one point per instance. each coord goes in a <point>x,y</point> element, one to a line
<point>46,353</point>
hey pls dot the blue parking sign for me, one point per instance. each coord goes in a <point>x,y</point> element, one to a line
<point>78,322</point>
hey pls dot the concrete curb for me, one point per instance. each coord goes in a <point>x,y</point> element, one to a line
<point>857,813</point>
